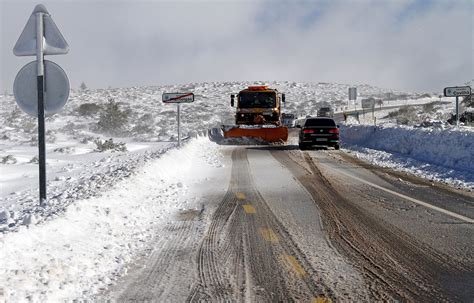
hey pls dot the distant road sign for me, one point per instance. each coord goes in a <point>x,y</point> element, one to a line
<point>352,93</point>
<point>457,91</point>
<point>178,97</point>
<point>368,103</point>
<point>56,91</point>
<point>54,42</point>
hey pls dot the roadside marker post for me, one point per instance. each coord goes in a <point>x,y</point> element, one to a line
<point>457,111</point>
<point>457,91</point>
<point>368,104</point>
<point>41,86</point>
<point>178,98</point>
<point>352,96</point>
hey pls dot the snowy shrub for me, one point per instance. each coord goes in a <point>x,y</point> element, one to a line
<point>468,101</point>
<point>88,109</point>
<point>8,159</point>
<point>405,115</point>
<point>112,119</point>
<point>86,139</point>
<point>18,119</point>
<point>83,86</point>
<point>34,140</point>
<point>64,150</point>
<point>144,125</point>
<point>406,119</point>
<point>70,128</point>
<point>14,117</point>
<point>109,145</point>
<point>429,107</point>
<point>50,136</point>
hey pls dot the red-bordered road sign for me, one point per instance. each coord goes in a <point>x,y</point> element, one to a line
<point>178,97</point>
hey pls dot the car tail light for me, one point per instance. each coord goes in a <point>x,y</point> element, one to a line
<point>334,131</point>
<point>308,131</point>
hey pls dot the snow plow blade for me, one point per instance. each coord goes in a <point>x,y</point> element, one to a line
<point>266,134</point>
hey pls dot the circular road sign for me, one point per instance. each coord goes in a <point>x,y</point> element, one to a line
<point>56,88</point>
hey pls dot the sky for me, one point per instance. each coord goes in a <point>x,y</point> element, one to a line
<point>409,45</point>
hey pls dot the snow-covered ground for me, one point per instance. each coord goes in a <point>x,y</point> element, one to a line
<point>99,213</point>
<point>83,250</point>
<point>427,146</point>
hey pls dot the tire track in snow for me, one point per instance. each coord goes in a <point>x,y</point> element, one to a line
<point>235,263</point>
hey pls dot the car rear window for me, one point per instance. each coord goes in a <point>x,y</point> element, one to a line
<point>320,122</point>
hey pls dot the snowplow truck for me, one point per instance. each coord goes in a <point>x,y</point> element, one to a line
<point>258,115</point>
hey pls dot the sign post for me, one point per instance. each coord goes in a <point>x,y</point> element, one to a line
<point>40,88</point>
<point>352,96</point>
<point>457,91</point>
<point>179,126</point>
<point>178,98</point>
<point>33,94</point>
<point>368,104</point>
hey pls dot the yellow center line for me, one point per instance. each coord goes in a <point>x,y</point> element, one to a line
<point>293,265</point>
<point>322,300</point>
<point>240,196</point>
<point>249,209</point>
<point>268,235</point>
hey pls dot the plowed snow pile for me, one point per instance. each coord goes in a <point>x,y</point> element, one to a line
<point>81,251</point>
<point>440,154</point>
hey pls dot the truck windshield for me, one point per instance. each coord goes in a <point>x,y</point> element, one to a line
<point>257,99</point>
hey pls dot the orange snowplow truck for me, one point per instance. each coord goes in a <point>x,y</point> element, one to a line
<point>258,115</point>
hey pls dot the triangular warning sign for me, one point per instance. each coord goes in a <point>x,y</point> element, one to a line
<point>54,42</point>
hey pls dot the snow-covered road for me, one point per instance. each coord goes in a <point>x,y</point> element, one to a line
<point>210,222</point>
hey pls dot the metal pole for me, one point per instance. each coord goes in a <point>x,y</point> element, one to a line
<point>373,113</point>
<point>41,123</point>
<point>179,130</point>
<point>457,111</point>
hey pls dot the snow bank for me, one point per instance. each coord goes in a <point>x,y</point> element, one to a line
<point>89,245</point>
<point>429,152</point>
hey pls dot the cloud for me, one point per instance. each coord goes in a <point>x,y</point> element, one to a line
<point>409,45</point>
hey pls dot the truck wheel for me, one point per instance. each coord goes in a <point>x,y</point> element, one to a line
<point>302,146</point>
<point>337,146</point>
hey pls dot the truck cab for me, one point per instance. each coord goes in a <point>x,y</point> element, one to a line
<point>258,105</point>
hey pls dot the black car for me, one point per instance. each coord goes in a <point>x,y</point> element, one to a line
<point>318,131</point>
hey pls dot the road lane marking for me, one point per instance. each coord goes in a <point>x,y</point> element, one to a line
<point>322,300</point>
<point>425,204</point>
<point>249,209</point>
<point>240,196</point>
<point>293,265</point>
<point>268,235</point>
